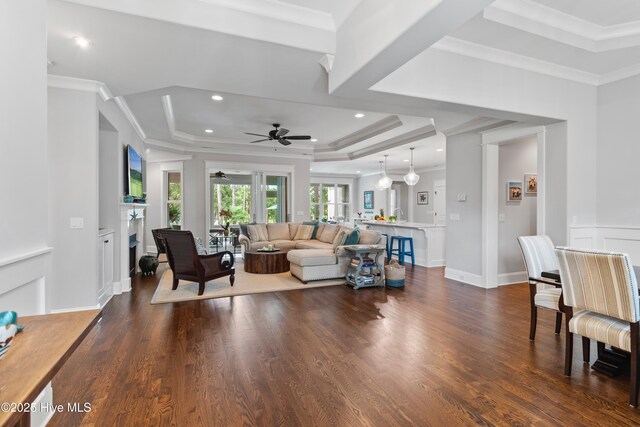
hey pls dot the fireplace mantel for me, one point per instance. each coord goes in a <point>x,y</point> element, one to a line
<point>131,217</point>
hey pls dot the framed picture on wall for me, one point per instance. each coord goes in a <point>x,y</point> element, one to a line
<point>530,183</point>
<point>368,199</point>
<point>423,197</point>
<point>514,191</point>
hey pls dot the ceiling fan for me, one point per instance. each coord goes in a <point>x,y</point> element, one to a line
<point>278,134</point>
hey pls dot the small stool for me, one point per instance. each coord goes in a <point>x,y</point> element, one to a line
<point>400,250</point>
<point>387,246</point>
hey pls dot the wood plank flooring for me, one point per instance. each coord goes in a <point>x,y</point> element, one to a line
<point>437,352</point>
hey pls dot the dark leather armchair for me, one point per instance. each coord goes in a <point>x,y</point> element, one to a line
<point>159,240</point>
<point>187,264</point>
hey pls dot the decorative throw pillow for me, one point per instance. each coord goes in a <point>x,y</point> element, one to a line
<point>352,238</point>
<point>199,248</point>
<point>339,240</point>
<point>315,228</point>
<point>243,229</point>
<point>304,232</point>
<point>258,232</point>
<point>329,233</point>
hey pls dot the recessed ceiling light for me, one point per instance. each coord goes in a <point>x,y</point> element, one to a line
<point>405,160</point>
<point>439,149</point>
<point>314,140</point>
<point>82,41</point>
<point>357,171</point>
<point>208,130</point>
<point>359,115</point>
<point>310,169</point>
<point>217,98</point>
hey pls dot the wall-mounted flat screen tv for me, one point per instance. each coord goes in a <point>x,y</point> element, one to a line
<point>135,172</point>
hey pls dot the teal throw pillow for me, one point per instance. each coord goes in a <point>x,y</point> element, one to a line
<point>315,228</point>
<point>352,238</point>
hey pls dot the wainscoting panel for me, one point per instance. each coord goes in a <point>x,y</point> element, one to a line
<point>608,238</point>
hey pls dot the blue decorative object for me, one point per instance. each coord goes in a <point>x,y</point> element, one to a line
<point>128,199</point>
<point>315,227</point>
<point>8,318</point>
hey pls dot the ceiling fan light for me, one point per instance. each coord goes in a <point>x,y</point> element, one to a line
<point>221,176</point>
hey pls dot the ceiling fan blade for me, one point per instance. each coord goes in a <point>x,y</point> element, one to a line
<point>284,141</point>
<point>256,134</point>
<point>299,137</point>
<point>282,132</point>
<point>260,140</point>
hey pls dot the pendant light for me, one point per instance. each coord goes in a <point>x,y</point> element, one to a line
<point>385,182</point>
<point>411,178</point>
<point>377,185</point>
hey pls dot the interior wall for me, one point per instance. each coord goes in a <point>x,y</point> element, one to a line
<point>367,183</point>
<point>618,153</point>
<point>516,158</point>
<point>24,251</point>
<point>464,219</point>
<point>73,187</point>
<point>424,213</point>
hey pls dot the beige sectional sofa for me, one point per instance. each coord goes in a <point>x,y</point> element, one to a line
<point>310,259</point>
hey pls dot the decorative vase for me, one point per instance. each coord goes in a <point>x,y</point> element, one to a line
<point>128,199</point>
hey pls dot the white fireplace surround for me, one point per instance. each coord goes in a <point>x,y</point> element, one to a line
<point>131,222</point>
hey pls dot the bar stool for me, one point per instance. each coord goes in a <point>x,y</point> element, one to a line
<point>400,250</point>
<point>387,246</point>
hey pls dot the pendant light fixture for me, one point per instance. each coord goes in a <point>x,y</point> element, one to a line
<point>411,178</point>
<point>377,184</point>
<point>385,182</point>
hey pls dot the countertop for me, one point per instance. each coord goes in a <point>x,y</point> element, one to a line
<point>402,224</point>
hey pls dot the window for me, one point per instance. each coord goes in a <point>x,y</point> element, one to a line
<point>329,202</point>
<point>232,196</point>
<point>174,199</point>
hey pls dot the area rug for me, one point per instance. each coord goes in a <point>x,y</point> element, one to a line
<point>245,284</point>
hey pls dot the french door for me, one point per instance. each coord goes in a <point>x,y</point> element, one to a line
<point>273,198</point>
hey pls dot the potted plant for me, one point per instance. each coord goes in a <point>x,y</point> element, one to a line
<point>174,216</point>
<point>225,215</point>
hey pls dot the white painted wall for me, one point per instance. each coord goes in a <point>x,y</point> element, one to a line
<point>424,213</point>
<point>515,160</point>
<point>618,153</point>
<point>23,156</point>
<point>463,176</point>
<point>73,190</point>
<point>367,183</point>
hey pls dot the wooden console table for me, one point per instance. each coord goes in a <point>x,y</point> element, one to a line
<point>36,355</point>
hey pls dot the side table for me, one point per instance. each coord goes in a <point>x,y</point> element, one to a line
<point>365,269</point>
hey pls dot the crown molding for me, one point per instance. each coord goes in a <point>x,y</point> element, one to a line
<point>227,150</point>
<point>375,129</point>
<point>124,107</point>
<point>498,56</point>
<point>545,21</point>
<point>476,125</point>
<point>73,83</point>
<point>398,141</point>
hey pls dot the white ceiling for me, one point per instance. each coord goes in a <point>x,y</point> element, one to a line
<point>263,57</point>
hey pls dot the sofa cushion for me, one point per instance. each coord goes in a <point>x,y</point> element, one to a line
<point>319,230</point>
<point>293,229</point>
<point>258,232</point>
<point>304,232</point>
<point>339,239</point>
<point>353,238</point>
<point>278,231</point>
<point>328,233</point>
<point>283,244</point>
<point>311,257</point>
<point>313,244</point>
<point>368,237</point>
<point>315,228</point>
<point>243,228</point>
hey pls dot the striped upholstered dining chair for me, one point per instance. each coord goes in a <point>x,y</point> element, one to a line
<point>538,253</point>
<point>601,288</point>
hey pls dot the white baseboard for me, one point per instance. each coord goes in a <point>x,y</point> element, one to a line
<point>464,277</point>
<point>512,278</point>
<point>71,310</point>
<point>151,250</point>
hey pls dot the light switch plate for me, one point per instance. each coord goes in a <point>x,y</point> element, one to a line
<point>76,223</point>
<point>454,217</point>
<point>501,218</point>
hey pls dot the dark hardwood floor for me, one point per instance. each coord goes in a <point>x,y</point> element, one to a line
<point>437,352</point>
